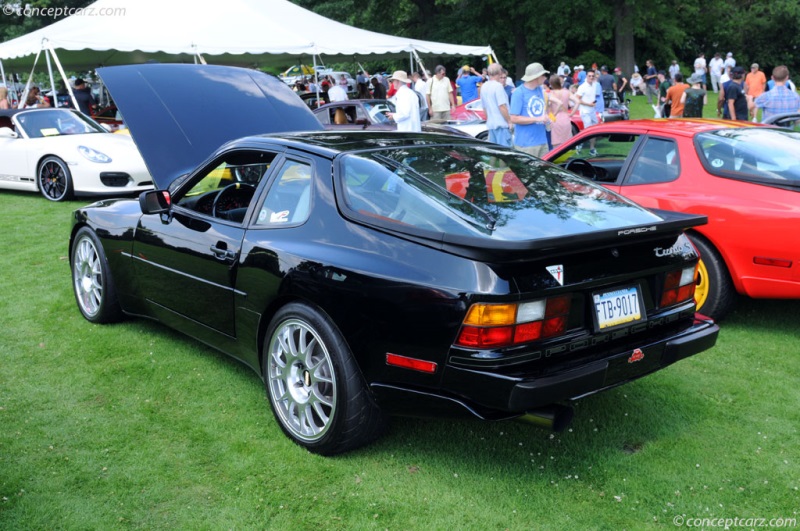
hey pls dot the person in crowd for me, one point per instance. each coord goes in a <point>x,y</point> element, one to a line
<point>637,83</point>
<point>35,99</point>
<point>780,99</point>
<point>606,80</point>
<point>312,85</point>
<point>508,84</point>
<point>529,114</point>
<point>495,102</point>
<point>587,96</point>
<point>694,97</point>
<point>724,81</point>
<point>362,84</point>
<point>441,96</point>
<point>600,106</point>
<point>665,104</point>
<point>342,82</point>
<point>406,114</point>
<point>338,92</point>
<point>421,88</point>
<point>581,75</point>
<point>651,82</point>
<point>378,90</point>
<point>730,62</point>
<point>675,95</point>
<point>560,102</point>
<point>701,68</point>
<point>673,69</point>
<point>622,83</point>
<point>715,68</point>
<point>735,98</point>
<point>4,98</point>
<point>563,69</point>
<point>468,82</point>
<point>83,95</point>
<point>755,83</point>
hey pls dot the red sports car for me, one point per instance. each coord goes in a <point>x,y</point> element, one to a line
<point>744,177</point>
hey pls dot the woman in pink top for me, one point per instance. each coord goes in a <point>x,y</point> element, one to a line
<point>559,106</point>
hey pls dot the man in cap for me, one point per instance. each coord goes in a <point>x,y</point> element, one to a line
<point>495,103</point>
<point>468,82</point>
<point>729,62</point>
<point>735,98</point>
<point>529,112</point>
<point>406,114</point>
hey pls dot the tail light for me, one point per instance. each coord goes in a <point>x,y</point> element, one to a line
<point>503,325</point>
<point>679,286</point>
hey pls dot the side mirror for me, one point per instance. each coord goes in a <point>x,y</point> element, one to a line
<point>7,132</point>
<point>155,201</point>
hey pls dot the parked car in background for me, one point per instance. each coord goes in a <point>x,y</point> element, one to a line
<point>744,177</point>
<point>362,274</point>
<point>370,115</point>
<point>62,153</point>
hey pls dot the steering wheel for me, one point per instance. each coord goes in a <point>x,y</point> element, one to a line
<point>582,167</point>
<point>249,188</point>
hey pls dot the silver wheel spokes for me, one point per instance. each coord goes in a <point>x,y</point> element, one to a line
<point>301,380</point>
<point>53,180</point>
<point>88,277</point>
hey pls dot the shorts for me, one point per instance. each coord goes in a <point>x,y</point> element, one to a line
<point>589,118</point>
<point>537,151</point>
<point>500,135</point>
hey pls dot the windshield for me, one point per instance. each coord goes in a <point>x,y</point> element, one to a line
<point>480,191</point>
<point>55,122</point>
<point>763,155</point>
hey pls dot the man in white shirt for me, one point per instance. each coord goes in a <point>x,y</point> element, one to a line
<point>587,93</point>
<point>700,68</point>
<point>337,93</point>
<point>730,62</point>
<point>421,88</point>
<point>406,104</point>
<point>715,67</point>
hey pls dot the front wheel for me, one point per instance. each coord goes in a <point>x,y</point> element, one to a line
<point>54,179</point>
<point>315,388</point>
<point>91,279</point>
<point>714,292</point>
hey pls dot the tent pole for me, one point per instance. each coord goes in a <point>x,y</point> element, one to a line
<point>316,77</point>
<point>24,96</point>
<point>52,80</point>
<point>2,72</point>
<point>64,77</point>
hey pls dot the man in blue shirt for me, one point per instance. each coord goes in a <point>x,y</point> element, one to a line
<point>779,99</point>
<point>529,112</point>
<point>468,82</point>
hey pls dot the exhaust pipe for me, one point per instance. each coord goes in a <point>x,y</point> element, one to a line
<point>555,418</point>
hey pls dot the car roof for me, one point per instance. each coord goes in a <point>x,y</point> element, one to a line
<point>678,127</point>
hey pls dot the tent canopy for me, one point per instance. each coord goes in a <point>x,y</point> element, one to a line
<point>238,32</point>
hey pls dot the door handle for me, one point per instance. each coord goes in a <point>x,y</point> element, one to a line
<point>222,253</point>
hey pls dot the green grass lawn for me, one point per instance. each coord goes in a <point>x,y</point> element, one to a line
<point>133,426</point>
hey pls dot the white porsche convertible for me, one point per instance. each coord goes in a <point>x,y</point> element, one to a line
<point>63,153</point>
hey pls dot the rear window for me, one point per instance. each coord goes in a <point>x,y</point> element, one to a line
<point>761,155</point>
<point>479,191</point>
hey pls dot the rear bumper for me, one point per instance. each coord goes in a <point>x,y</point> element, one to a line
<point>481,390</point>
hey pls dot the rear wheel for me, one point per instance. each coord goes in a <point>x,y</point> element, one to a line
<point>54,179</point>
<point>91,279</point>
<point>315,388</point>
<point>714,293</point>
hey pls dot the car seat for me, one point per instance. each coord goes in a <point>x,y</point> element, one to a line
<point>339,117</point>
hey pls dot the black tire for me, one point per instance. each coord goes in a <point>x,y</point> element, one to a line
<point>91,279</point>
<point>483,136</point>
<point>715,293</point>
<point>54,179</point>
<point>318,395</point>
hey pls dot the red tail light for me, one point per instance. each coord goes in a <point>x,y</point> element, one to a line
<point>679,286</point>
<point>503,325</point>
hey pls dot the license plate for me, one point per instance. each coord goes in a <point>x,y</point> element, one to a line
<point>619,307</point>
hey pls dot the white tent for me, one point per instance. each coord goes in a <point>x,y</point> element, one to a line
<point>243,32</point>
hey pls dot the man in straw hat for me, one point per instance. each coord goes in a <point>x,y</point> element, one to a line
<point>406,104</point>
<point>529,112</point>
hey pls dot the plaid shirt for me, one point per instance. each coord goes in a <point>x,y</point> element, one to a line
<point>778,100</point>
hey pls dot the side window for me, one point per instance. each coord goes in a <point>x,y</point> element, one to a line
<point>289,198</point>
<point>226,187</point>
<point>324,117</point>
<point>658,162</point>
<point>606,153</point>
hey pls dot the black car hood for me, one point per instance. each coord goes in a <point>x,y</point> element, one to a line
<point>179,114</point>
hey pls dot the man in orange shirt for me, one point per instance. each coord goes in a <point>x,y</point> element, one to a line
<point>755,83</point>
<point>674,94</point>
